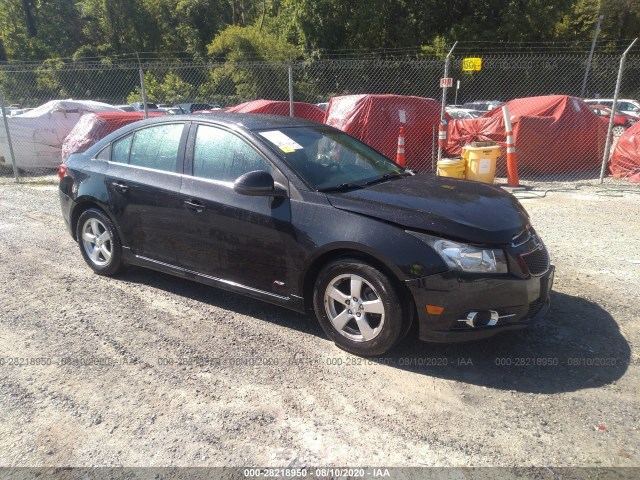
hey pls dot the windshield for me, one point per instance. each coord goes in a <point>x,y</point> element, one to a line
<point>328,160</point>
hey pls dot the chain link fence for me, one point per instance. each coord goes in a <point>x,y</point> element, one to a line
<point>558,137</point>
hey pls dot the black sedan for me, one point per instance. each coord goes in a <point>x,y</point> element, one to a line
<point>304,216</point>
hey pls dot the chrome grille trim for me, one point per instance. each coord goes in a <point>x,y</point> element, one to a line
<point>521,238</point>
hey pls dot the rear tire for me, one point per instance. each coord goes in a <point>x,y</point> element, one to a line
<point>99,242</point>
<point>358,307</point>
<point>618,130</point>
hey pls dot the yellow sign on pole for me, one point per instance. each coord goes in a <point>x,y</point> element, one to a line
<point>471,64</point>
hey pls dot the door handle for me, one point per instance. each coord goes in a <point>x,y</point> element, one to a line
<point>120,187</point>
<point>194,205</point>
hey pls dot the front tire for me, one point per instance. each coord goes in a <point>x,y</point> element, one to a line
<point>358,307</point>
<point>99,242</point>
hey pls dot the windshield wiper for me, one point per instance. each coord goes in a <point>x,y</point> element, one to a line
<point>348,186</point>
<point>343,187</point>
<point>385,177</point>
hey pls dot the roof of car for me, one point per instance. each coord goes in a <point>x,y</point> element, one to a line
<point>594,100</point>
<point>250,121</point>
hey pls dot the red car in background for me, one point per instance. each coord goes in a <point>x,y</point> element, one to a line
<point>620,121</point>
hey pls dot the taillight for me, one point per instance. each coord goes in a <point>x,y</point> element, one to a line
<point>62,171</point>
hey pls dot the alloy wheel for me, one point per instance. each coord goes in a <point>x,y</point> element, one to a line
<point>97,242</point>
<point>354,308</point>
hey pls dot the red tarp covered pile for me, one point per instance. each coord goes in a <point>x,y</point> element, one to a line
<point>95,126</point>
<point>625,161</point>
<point>376,120</point>
<point>272,107</point>
<point>555,133</point>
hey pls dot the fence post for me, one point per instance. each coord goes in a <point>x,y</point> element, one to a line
<point>290,90</point>
<point>9,142</point>
<point>444,99</point>
<point>607,145</point>
<point>142,89</point>
<point>593,47</point>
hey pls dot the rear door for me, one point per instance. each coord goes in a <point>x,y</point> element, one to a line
<point>143,181</point>
<point>232,237</point>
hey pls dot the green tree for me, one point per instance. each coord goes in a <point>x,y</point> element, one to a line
<point>36,29</point>
<point>253,63</point>
<point>187,25</point>
<point>579,22</point>
<point>117,26</point>
<point>621,19</point>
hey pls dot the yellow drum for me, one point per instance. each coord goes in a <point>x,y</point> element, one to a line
<point>481,161</point>
<point>451,167</point>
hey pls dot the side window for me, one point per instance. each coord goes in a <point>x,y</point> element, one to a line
<point>120,150</point>
<point>220,155</point>
<point>157,147</point>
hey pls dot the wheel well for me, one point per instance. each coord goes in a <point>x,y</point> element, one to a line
<point>79,210</point>
<point>322,260</point>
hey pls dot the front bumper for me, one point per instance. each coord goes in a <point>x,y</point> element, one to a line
<point>518,301</point>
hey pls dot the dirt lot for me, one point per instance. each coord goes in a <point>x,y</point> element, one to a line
<point>106,371</point>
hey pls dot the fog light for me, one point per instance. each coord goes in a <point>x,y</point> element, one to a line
<point>485,318</point>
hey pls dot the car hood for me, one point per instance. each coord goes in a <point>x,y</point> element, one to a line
<point>457,209</point>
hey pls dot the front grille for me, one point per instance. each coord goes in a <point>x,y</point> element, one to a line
<point>535,307</point>
<point>537,261</point>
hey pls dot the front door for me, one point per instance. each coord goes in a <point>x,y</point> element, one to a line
<point>228,236</point>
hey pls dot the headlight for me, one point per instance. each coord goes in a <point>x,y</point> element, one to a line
<point>466,258</point>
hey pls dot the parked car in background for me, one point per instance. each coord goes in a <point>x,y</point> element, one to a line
<point>302,215</point>
<point>125,108</point>
<point>13,108</point>
<point>567,123</point>
<point>463,112</point>
<point>187,108</point>
<point>482,105</point>
<point>95,126</point>
<point>620,122</point>
<point>376,120</point>
<point>37,135</point>
<point>625,106</point>
<point>139,107</point>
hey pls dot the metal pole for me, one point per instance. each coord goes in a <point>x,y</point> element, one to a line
<point>290,90</point>
<point>593,47</point>
<point>9,143</point>
<point>143,90</point>
<point>444,99</point>
<point>607,146</point>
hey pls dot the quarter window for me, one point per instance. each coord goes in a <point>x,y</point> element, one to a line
<point>223,156</point>
<point>157,147</point>
<point>120,150</point>
<point>105,153</point>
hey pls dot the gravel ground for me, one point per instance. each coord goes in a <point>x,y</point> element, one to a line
<point>150,370</point>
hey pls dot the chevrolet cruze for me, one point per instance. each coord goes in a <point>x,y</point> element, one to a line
<point>304,216</point>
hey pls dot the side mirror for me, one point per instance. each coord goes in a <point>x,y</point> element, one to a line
<point>258,183</point>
